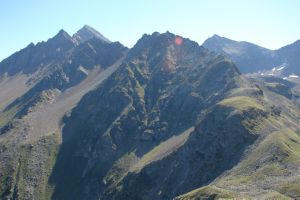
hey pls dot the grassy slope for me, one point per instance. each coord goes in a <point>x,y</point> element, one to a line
<point>211,192</point>
<point>241,103</point>
<point>131,163</point>
<point>270,170</point>
<point>272,167</point>
<point>33,165</point>
<point>162,150</point>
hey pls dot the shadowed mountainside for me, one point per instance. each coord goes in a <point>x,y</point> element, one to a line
<point>167,119</point>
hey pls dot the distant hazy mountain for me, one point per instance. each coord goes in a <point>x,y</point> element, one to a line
<point>289,56</point>
<point>85,118</point>
<point>251,58</point>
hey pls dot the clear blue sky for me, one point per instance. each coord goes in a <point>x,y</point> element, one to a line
<point>269,23</point>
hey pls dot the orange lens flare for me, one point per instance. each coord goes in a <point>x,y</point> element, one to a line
<point>178,40</point>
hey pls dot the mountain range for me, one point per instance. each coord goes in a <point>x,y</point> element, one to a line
<point>82,117</point>
<point>251,58</point>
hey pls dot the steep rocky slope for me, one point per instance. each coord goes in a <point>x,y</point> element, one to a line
<point>22,70</point>
<point>30,121</point>
<point>168,119</point>
<point>179,117</point>
<point>33,57</point>
<point>270,167</point>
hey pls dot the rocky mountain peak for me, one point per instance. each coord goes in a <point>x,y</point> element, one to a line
<point>251,58</point>
<point>61,36</point>
<point>87,33</point>
<point>62,32</point>
<point>33,57</point>
<point>85,118</point>
<point>216,41</point>
<point>216,36</point>
<point>163,46</point>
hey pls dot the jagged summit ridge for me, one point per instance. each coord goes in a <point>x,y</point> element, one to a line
<point>87,33</point>
<point>166,47</point>
<point>100,121</point>
<point>62,33</point>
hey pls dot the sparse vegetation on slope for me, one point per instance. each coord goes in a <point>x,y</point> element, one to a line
<point>211,192</point>
<point>28,177</point>
<point>170,121</point>
<point>241,103</point>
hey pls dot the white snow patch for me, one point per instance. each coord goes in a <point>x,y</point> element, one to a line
<point>80,68</point>
<point>273,70</point>
<point>280,68</point>
<point>293,76</point>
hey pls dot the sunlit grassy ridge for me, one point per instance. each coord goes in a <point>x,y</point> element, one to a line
<point>211,192</point>
<point>270,159</point>
<point>163,149</point>
<point>241,103</point>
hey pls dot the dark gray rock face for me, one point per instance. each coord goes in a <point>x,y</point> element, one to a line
<point>160,91</point>
<point>57,49</point>
<point>71,69</point>
<point>216,145</point>
<point>251,58</point>
<point>170,117</point>
<point>58,73</point>
<point>34,57</point>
